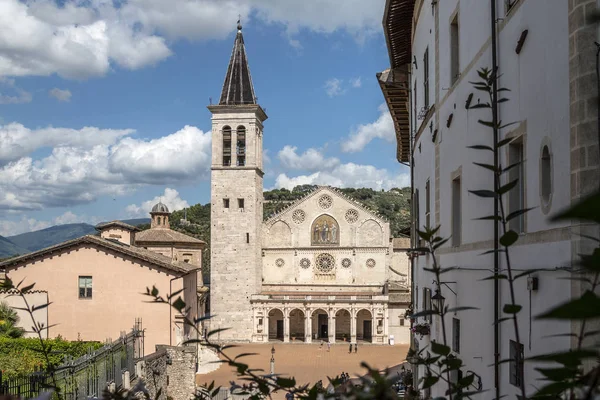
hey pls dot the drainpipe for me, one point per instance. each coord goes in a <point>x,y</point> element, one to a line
<point>496,204</point>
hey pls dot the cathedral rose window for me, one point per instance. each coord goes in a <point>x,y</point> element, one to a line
<point>351,216</point>
<point>346,263</point>
<point>371,263</point>
<point>305,263</point>
<point>325,201</point>
<point>280,262</point>
<point>298,216</point>
<point>325,263</point>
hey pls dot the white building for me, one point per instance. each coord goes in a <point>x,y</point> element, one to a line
<point>318,270</point>
<point>546,57</point>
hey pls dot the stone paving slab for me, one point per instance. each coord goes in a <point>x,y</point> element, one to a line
<point>308,362</point>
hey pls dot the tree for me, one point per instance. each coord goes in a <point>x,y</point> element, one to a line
<point>8,322</point>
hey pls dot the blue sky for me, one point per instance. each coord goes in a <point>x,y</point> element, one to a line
<point>103,107</point>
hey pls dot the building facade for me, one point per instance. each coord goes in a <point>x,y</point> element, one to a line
<point>545,56</point>
<point>319,270</point>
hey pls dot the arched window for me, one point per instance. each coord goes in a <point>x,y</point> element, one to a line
<point>241,146</point>
<point>546,177</point>
<point>226,146</point>
<point>158,220</point>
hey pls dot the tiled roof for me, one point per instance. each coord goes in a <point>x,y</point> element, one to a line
<point>120,224</point>
<point>132,251</point>
<point>164,235</point>
<point>238,88</point>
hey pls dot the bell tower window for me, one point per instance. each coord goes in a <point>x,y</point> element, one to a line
<point>226,146</point>
<point>241,146</point>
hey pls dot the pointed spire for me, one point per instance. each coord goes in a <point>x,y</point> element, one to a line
<point>238,88</point>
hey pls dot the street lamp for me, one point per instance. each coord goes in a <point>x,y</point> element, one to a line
<point>439,301</point>
<point>272,360</point>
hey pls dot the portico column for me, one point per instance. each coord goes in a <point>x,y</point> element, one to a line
<point>286,326</point>
<point>308,326</point>
<point>266,324</point>
<point>353,327</point>
<point>331,328</point>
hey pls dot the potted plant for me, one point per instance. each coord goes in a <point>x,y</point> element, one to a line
<point>422,329</point>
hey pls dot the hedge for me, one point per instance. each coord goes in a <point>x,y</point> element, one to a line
<point>23,356</point>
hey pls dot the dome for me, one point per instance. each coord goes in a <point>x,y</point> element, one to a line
<point>160,208</point>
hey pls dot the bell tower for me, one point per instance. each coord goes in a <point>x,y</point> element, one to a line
<point>236,200</point>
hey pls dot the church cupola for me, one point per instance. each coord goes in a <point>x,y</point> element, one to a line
<point>160,216</point>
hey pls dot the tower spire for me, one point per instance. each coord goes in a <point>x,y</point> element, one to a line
<point>238,88</point>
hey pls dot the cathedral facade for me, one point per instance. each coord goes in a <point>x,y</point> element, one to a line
<point>323,269</point>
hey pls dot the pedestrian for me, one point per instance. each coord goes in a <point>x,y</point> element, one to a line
<point>356,347</point>
<point>328,346</point>
<point>350,348</point>
<point>289,396</point>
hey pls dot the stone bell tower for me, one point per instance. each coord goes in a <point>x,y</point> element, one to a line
<point>236,200</point>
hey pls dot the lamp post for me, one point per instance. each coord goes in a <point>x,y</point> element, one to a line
<point>440,301</point>
<point>272,360</point>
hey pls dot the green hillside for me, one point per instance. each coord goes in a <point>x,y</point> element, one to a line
<point>393,204</point>
<point>9,249</point>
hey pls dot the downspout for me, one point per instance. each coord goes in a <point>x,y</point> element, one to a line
<point>496,203</point>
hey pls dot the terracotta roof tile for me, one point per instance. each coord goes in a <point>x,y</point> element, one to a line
<point>163,235</point>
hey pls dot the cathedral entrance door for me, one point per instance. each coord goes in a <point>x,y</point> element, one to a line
<point>367,329</point>
<point>280,329</point>
<point>323,332</point>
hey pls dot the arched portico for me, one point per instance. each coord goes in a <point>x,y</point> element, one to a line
<point>364,325</point>
<point>297,328</point>
<point>320,324</point>
<point>343,325</point>
<point>276,325</point>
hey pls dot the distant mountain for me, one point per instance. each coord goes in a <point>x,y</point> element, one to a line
<point>33,241</point>
<point>8,248</point>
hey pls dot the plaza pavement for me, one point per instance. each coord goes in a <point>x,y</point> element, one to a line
<point>308,363</point>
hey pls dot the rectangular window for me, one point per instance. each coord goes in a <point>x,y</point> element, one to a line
<point>85,287</point>
<point>225,203</point>
<point>454,51</point>
<point>456,335</point>
<point>456,212</point>
<point>247,237</point>
<point>427,303</point>
<point>260,321</point>
<point>426,79</point>
<point>241,204</point>
<point>226,146</point>
<point>509,4</point>
<point>516,196</point>
<point>516,363</point>
<point>401,321</point>
<point>428,203</point>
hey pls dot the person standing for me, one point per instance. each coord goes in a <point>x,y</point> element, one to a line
<point>350,348</point>
<point>356,347</point>
<point>328,346</point>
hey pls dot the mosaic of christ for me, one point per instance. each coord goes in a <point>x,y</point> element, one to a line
<point>325,230</point>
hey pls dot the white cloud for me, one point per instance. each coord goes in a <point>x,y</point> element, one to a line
<point>333,87</point>
<point>310,160</point>
<point>11,228</point>
<point>80,39</point>
<point>83,166</point>
<point>20,96</point>
<point>347,175</point>
<point>60,94</point>
<point>356,82</point>
<point>382,128</point>
<point>170,198</point>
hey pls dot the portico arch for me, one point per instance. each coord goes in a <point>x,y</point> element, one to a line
<point>297,325</point>
<point>342,325</point>
<point>364,325</point>
<point>320,324</point>
<point>276,326</point>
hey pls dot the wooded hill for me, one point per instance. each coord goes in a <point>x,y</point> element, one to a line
<point>394,205</point>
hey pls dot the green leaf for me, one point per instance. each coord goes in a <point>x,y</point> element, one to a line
<point>429,381</point>
<point>567,358</point>
<point>486,166</point>
<point>553,390</point>
<point>439,348</point>
<point>495,277</point>
<point>590,262</point>
<point>480,147</point>
<point>509,238</point>
<point>424,313</point>
<point>502,100</point>
<point>501,320</point>
<point>426,236</point>
<point>509,124</point>
<point>440,244</point>
<point>491,252</point>
<point>517,213</point>
<point>506,188</point>
<point>216,331</point>
<point>480,105</point>
<point>587,209</point>
<point>489,124</point>
<point>488,218</point>
<point>154,291</point>
<point>455,309</point>
<point>483,193</point>
<point>587,306</point>
<point>244,355</point>
<point>467,380</point>
<point>558,374</point>
<point>512,308</point>
<point>179,304</point>
<point>286,382</point>
<point>27,288</point>
<point>504,142</point>
<point>41,306</point>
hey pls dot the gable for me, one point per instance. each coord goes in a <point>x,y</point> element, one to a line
<point>325,218</point>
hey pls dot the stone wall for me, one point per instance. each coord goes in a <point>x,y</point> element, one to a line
<point>172,369</point>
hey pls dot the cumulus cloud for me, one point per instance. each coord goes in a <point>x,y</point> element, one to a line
<point>170,198</point>
<point>356,82</point>
<point>337,87</point>
<point>19,96</point>
<point>60,94</point>
<point>83,166</point>
<point>80,39</point>
<point>347,175</point>
<point>310,160</point>
<point>382,128</point>
<point>11,228</point>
